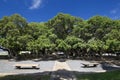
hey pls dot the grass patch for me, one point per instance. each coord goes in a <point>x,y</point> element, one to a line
<point>112,75</point>
<point>26,77</point>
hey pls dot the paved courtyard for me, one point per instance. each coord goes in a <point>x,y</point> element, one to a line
<point>7,67</point>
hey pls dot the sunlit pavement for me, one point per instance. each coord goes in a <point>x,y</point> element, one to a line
<point>60,66</point>
<point>8,68</point>
<point>76,65</point>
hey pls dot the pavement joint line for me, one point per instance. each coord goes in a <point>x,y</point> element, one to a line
<point>54,66</point>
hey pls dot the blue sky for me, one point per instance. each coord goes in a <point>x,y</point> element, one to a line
<point>43,10</point>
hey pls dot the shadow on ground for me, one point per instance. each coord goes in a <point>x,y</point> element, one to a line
<point>60,74</point>
<point>57,75</point>
<point>108,67</point>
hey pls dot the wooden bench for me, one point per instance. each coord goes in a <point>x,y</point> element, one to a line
<point>33,66</point>
<point>90,64</point>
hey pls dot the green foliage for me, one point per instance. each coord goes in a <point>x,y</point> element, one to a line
<point>73,40</point>
<point>63,24</point>
<point>62,33</point>
<point>95,44</point>
<point>62,45</point>
<point>112,75</point>
<point>82,30</point>
<point>113,45</point>
<point>25,77</point>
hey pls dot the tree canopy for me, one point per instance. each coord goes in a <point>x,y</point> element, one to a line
<point>63,32</point>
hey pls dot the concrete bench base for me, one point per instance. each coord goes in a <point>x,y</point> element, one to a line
<point>89,65</point>
<point>26,66</point>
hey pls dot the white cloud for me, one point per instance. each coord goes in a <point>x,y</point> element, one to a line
<point>35,4</point>
<point>116,17</point>
<point>114,11</point>
<point>5,0</point>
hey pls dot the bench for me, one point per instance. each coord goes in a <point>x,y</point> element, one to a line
<point>90,64</point>
<point>23,66</point>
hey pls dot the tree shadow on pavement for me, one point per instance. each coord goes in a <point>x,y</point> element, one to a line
<point>108,66</point>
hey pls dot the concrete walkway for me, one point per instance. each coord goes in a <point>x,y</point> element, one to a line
<point>67,67</point>
<point>61,71</point>
<point>61,66</point>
